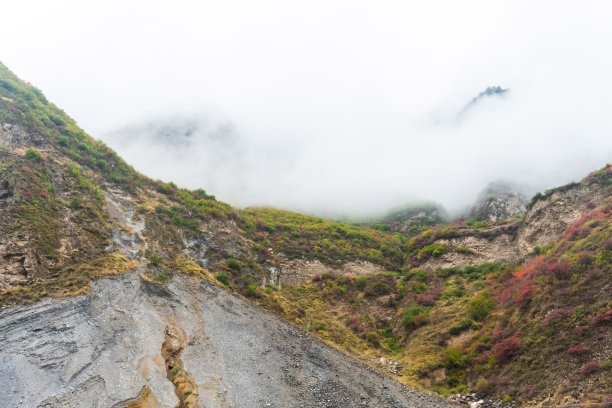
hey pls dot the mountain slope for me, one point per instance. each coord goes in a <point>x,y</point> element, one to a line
<point>450,308</point>
<point>73,212</point>
<point>492,327</point>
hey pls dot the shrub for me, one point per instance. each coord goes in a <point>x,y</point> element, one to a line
<point>452,292</point>
<point>372,339</point>
<point>63,141</point>
<point>485,357</point>
<point>434,250</point>
<point>480,306</point>
<point>462,326</point>
<point>417,274</point>
<point>581,330</point>
<point>454,358</point>
<point>57,121</point>
<point>33,154</point>
<point>425,300</point>
<point>162,277</point>
<point>414,317</point>
<point>223,278</point>
<point>525,296</point>
<point>377,289</point>
<point>360,282</point>
<point>602,318</point>
<point>233,264</point>
<point>506,349</point>
<point>252,290</point>
<point>555,316</point>
<point>417,287</point>
<point>560,270</point>
<point>480,224</point>
<point>577,350</point>
<point>155,260</point>
<point>590,368</point>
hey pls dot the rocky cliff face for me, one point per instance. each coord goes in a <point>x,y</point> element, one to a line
<point>135,343</point>
<point>550,216</point>
<point>544,222</point>
<point>499,247</point>
<point>499,201</point>
<point>499,206</point>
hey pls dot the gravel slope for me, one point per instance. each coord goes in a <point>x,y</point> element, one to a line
<point>104,350</point>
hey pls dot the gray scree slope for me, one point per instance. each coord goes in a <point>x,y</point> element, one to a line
<point>104,350</point>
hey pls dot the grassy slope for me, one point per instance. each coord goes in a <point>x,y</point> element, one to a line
<point>519,332</point>
<point>77,164</point>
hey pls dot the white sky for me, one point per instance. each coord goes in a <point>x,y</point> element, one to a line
<point>345,106</point>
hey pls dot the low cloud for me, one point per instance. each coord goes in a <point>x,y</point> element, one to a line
<point>333,108</point>
<point>531,142</point>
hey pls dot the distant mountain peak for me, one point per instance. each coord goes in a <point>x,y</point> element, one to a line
<point>490,91</point>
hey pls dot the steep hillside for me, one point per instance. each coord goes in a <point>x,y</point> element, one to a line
<point>538,334</point>
<point>74,215</point>
<point>480,305</point>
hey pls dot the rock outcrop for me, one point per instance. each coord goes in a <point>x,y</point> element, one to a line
<point>549,217</point>
<point>497,202</point>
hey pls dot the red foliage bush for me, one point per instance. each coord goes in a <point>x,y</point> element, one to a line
<point>559,270</point>
<point>602,318</point>
<point>581,329</point>
<point>555,316</point>
<point>576,229</point>
<point>525,296</point>
<point>483,358</point>
<point>577,350</point>
<point>354,323</point>
<point>589,368</point>
<point>500,332</point>
<point>420,320</point>
<point>425,300</point>
<point>506,349</point>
